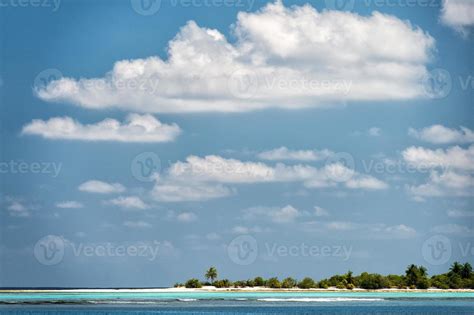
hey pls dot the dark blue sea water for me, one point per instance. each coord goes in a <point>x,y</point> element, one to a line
<point>237,303</point>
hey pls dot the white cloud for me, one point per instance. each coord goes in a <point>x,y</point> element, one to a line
<point>129,202</point>
<point>450,171</point>
<point>288,57</point>
<point>17,209</point>
<point>213,168</point>
<point>278,215</point>
<point>458,14</point>
<point>320,212</point>
<point>182,191</point>
<point>202,178</point>
<point>374,131</point>
<point>70,204</point>
<point>137,128</point>
<point>454,229</point>
<point>218,169</point>
<point>213,236</point>
<point>451,158</point>
<point>284,153</point>
<point>137,224</point>
<point>341,226</point>
<point>239,229</point>
<point>186,217</point>
<point>362,230</point>
<point>446,183</point>
<point>366,182</point>
<point>453,213</point>
<point>439,134</point>
<point>99,187</point>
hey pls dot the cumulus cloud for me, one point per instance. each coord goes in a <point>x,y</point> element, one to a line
<point>374,131</point>
<point>239,229</point>
<point>439,134</point>
<point>445,183</point>
<point>458,14</point>
<point>453,213</point>
<point>454,229</point>
<point>137,128</point>
<point>366,182</point>
<point>283,153</point>
<point>70,204</point>
<point>129,202</point>
<point>450,171</point>
<point>100,187</point>
<point>204,178</point>
<point>287,57</point>
<point>452,158</point>
<point>169,191</point>
<point>137,224</point>
<point>278,215</point>
<point>320,212</point>
<point>186,217</point>
<point>213,168</point>
<point>18,209</point>
<point>362,230</point>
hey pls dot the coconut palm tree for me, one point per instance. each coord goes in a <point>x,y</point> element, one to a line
<point>466,270</point>
<point>211,274</point>
<point>456,268</point>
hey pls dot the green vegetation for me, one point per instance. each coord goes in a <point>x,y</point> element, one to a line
<point>193,283</point>
<point>211,274</point>
<point>459,276</point>
<point>307,283</point>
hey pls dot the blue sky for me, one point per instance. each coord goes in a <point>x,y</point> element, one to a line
<point>250,152</point>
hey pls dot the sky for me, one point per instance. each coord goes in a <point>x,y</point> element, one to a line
<point>145,141</point>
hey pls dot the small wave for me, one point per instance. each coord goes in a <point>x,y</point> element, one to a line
<point>319,299</point>
<point>187,300</point>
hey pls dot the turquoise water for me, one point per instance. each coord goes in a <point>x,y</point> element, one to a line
<point>143,296</point>
<point>237,303</point>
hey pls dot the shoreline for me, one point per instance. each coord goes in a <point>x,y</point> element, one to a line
<point>211,289</point>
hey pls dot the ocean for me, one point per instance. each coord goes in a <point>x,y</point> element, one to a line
<point>238,303</point>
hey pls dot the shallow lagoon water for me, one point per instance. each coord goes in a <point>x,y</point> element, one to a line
<point>238,303</point>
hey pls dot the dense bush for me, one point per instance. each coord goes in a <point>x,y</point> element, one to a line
<point>288,283</point>
<point>307,283</point>
<point>273,283</point>
<point>193,283</point>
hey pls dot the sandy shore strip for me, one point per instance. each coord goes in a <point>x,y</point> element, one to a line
<point>223,290</point>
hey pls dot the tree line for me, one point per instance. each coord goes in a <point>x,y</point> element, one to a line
<point>459,276</point>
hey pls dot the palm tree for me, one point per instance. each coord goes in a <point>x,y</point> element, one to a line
<point>456,268</point>
<point>412,274</point>
<point>211,273</point>
<point>349,277</point>
<point>466,270</point>
<point>423,271</point>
